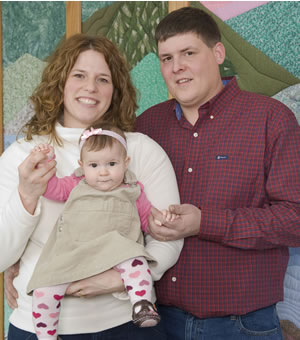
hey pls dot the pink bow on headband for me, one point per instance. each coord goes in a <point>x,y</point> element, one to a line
<point>96,132</point>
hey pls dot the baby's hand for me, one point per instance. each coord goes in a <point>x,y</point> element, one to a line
<point>168,216</point>
<point>46,149</point>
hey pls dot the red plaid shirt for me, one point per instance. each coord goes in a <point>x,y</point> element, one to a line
<point>240,164</point>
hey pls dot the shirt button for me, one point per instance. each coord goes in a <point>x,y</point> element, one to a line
<point>195,134</point>
<point>174,279</point>
<point>60,229</point>
<point>190,170</point>
<point>211,117</point>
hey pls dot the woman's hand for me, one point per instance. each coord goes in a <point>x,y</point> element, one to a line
<point>104,283</point>
<point>11,293</point>
<point>33,178</point>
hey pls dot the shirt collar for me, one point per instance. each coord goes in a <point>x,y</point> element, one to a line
<point>178,109</point>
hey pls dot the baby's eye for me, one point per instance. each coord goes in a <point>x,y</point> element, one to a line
<point>93,165</point>
<point>112,163</point>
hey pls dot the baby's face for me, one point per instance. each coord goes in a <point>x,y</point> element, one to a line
<point>104,170</point>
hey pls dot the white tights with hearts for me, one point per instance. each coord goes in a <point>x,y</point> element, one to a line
<point>138,283</point>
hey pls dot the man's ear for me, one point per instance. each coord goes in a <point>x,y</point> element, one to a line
<point>219,51</point>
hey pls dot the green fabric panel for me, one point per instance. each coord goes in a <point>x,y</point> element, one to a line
<point>274,29</point>
<point>256,72</point>
<point>130,25</point>
<point>147,78</point>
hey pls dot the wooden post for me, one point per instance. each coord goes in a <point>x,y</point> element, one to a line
<point>173,5</point>
<point>73,18</point>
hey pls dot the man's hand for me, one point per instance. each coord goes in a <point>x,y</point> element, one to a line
<point>187,223</point>
<point>11,293</point>
<point>104,283</point>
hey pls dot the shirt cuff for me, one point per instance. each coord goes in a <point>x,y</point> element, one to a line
<point>213,224</point>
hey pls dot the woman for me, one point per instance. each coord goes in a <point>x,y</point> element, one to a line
<point>86,81</point>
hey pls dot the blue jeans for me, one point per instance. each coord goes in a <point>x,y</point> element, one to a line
<point>262,324</point>
<point>127,331</point>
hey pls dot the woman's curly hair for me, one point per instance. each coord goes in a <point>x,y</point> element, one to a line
<point>48,97</point>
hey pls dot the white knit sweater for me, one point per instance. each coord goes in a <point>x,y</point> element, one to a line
<point>23,235</point>
<point>289,308</point>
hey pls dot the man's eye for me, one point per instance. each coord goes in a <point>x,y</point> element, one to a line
<point>112,163</point>
<point>166,59</point>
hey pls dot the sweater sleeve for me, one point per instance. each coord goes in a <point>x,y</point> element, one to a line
<point>58,189</point>
<point>16,224</point>
<point>153,168</point>
<point>143,206</point>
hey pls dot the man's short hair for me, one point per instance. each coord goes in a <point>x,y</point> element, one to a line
<point>186,20</point>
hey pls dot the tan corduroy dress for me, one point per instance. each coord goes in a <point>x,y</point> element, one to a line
<point>95,232</point>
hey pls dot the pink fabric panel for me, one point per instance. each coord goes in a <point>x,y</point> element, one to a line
<point>229,9</point>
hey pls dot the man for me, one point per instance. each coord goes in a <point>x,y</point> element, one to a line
<point>237,160</point>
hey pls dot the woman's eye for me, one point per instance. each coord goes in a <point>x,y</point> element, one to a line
<point>78,75</point>
<point>102,80</point>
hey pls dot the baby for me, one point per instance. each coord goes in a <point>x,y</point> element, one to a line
<point>101,227</point>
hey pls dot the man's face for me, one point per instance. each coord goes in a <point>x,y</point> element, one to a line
<point>191,69</point>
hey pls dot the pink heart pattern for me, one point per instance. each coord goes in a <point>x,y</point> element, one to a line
<point>128,288</point>
<point>43,306</point>
<point>38,294</point>
<point>144,283</point>
<point>52,332</point>
<point>36,315</point>
<point>54,315</point>
<point>134,275</point>
<point>41,324</point>
<point>136,262</point>
<point>58,297</point>
<point>140,292</point>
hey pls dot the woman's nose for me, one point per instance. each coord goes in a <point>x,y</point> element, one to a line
<point>91,85</point>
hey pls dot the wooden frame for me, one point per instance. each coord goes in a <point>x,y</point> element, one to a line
<point>173,5</point>
<point>73,18</point>
<point>73,26</point>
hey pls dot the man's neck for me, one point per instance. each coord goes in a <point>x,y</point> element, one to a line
<point>190,114</point>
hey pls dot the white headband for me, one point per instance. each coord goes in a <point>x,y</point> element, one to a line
<point>97,132</point>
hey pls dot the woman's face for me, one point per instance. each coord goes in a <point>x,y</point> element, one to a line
<point>88,90</point>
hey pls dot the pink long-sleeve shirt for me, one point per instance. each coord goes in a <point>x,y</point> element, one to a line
<point>59,189</point>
